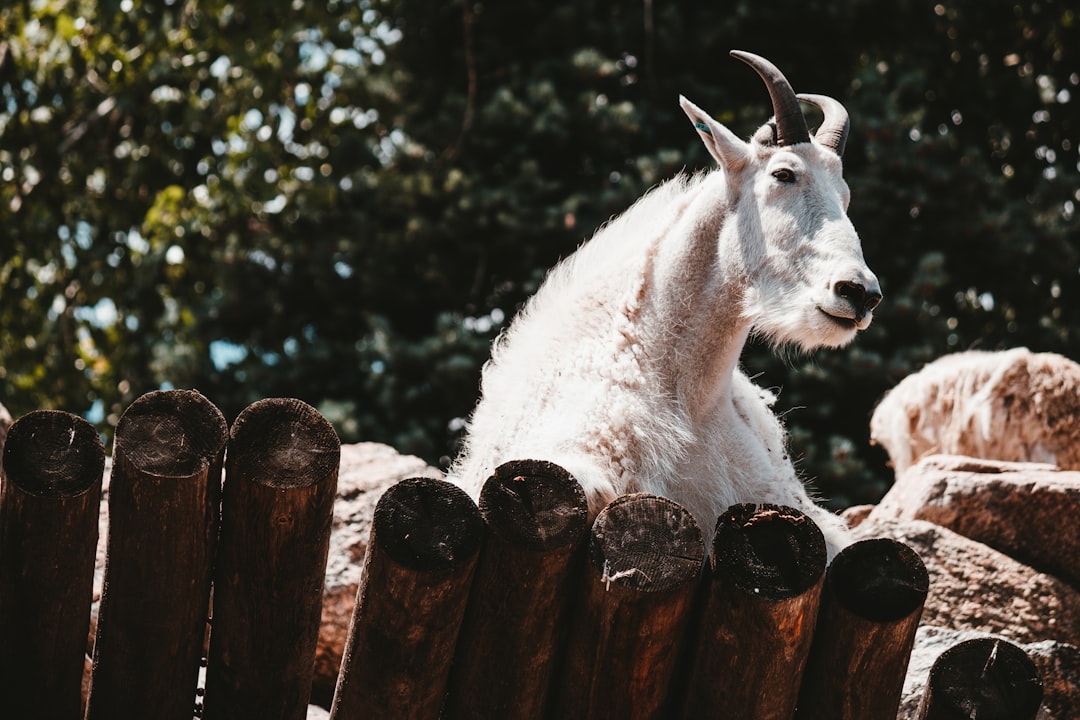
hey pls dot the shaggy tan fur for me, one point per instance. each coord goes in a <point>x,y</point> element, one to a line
<point>1013,405</point>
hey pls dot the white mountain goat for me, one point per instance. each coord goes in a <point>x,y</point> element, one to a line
<point>623,368</point>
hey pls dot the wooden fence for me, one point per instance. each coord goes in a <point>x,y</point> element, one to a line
<point>515,608</point>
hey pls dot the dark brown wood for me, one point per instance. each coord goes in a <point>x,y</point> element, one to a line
<point>645,556</point>
<point>276,513</point>
<point>873,598</point>
<point>422,553</point>
<point>761,601</point>
<point>536,515</point>
<point>50,492</point>
<point>163,512</point>
<point>982,679</point>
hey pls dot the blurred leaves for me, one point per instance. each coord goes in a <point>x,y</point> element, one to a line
<point>344,201</point>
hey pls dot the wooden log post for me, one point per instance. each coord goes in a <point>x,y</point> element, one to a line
<point>982,679</point>
<point>873,597</point>
<point>536,516</point>
<point>163,521</point>
<point>762,596</point>
<point>421,557</point>
<point>645,557</point>
<point>50,492</point>
<point>276,512</point>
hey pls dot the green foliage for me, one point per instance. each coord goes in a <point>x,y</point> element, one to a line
<point>345,201</point>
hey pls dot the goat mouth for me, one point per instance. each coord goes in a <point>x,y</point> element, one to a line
<point>847,323</point>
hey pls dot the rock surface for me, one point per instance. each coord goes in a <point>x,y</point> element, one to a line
<point>1003,555</point>
<point>974,587</point>
<point>1021,509</point>
<point>1014,405</point>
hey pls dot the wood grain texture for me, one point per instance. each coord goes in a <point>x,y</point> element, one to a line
<point>425,541</point>
<point>632,611</point>
<point>163,520</point>
<point>50,493</point>
<point>536,517</point>
<point>982,679</point>
<point>874,594</point>
<point>762,595</point>
<point>276,513</point>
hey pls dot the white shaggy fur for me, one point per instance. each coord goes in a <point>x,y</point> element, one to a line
<point>623,368</point>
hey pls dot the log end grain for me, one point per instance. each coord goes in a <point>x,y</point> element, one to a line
<point>646,543</point>
<point>171,433</point>
<point>771,551</point>
<point>984,678</point>
<point>283,443</point>
<point>879,579</point>
<point>426,525</point>
<point>534,504</point>
<point>49,453</point>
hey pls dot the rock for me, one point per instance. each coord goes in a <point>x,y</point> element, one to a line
<point>974,587</point>
<point>1014,405</point>
<point>1058,665</point>
<point>855,514</point>
<point>1021,509</point>
<point>367,470</point>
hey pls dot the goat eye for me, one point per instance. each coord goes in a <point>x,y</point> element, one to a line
<point>784,175</point>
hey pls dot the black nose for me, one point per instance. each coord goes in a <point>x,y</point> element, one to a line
<point>861,299</point>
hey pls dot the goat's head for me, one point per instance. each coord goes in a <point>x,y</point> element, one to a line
<point>807,282</point>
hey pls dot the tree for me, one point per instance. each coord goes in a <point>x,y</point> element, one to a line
<point>345,201</point>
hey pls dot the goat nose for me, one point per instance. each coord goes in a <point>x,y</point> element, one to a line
<point>862,299</point>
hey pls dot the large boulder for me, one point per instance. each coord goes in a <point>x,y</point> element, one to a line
<point>1013,405</point>
<point>974,587</point>
<point>1003,557</point>
<point>1025,510</point>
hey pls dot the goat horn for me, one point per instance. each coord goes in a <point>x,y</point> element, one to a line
<point>790,123</point>
<point>834,128</point>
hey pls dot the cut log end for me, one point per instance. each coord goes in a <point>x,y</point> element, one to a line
<point>647,543</point>
<point>427,525</point>
<point>534,504</point>
<point>879,579</point>
<point>984,678</point>
<point>772,551</point>
<point>49,453</point>
<point>283,443</point>
<point>171,433</point>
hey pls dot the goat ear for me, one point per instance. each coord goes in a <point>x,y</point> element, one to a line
<point>721,143</point>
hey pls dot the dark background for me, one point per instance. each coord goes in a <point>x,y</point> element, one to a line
<point>344,202</point>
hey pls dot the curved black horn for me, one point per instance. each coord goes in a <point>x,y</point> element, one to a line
<point>834,128</point>
<point>790,123</point>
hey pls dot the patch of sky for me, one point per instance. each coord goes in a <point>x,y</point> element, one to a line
<point>302,93</point>
<point>260,257</point>
<point>224,353</point>
<point>101,314</point>
<point>253,119</point>
<point>286,122</point>
<point>313,56</point>
<point>96,412</point>
<point>220,67</point>
<point>484,323</point>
